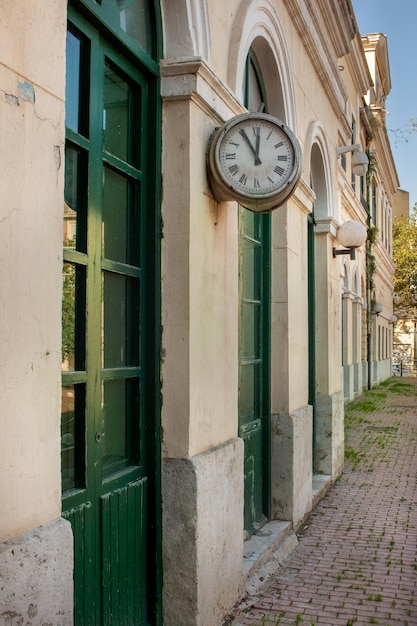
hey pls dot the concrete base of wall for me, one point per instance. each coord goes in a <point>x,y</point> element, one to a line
<point>292,463</point>
<point>357,380</point>
<point>383,370</point>
<point>352,381</point>
<point>380,371</point>
<point>36,574</point>
<point>329,434</point>
<point>348,381</point>
<point>203,535</point>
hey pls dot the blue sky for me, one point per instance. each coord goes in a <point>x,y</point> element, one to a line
<point>398,21</point>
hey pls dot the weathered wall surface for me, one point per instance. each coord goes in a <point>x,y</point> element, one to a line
<point>36,577</point>
<point>31,203</point>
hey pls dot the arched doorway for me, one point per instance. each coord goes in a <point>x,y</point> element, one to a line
<point>317,182</point>
<point>254,336</point>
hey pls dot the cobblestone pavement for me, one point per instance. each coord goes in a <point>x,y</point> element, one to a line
<point>356,561</point>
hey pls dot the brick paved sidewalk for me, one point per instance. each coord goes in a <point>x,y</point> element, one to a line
<point>356,561</point>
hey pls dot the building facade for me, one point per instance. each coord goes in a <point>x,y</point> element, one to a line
<point>174,367</point>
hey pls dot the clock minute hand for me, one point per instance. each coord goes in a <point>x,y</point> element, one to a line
<point>255,151</point>
<point>258,138</point>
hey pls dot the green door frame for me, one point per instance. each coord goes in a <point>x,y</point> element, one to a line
<point>150,306</point>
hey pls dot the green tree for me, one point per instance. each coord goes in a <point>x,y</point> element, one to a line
<point>405,258</point>
<point>68,312</point>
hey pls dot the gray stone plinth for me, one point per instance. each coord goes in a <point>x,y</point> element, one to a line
<point>203,535</point>
<point>36,585</point>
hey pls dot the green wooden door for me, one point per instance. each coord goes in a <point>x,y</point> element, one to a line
<point>254,386</point>
<point>311,326</point>
<point>109,329</point>
<point>254,337</point>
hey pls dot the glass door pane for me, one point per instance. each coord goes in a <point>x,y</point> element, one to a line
<point>121,329</point>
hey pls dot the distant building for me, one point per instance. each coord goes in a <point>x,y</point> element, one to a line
<point>174,368</point>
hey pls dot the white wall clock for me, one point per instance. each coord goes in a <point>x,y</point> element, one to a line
<point>254,159</point>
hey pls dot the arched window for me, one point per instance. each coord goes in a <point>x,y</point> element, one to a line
<point>254,335</point>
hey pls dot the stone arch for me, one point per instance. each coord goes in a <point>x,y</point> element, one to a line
<point>257,26</point>
<point>317,169</point>
<point>186,29</point>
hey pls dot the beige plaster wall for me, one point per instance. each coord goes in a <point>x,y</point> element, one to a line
<point>200,384</point>
<point>289,350</point>
<point>200,291</point>
<point>328,317</point>
<point>31,195</point>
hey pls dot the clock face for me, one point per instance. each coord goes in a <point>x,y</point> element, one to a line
<point>257,161</point>
<point>256,156</point>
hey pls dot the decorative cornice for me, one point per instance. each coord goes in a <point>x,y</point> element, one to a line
<point>358,65</point>
<point>340,24</point>
<point>308,22</point>
<point>326,226</point>
<point>377,43</point>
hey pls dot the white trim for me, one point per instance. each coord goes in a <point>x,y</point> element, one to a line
<point>259,20</point>
<point>186,29</point>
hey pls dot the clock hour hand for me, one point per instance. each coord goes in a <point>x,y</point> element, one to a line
<point>255,151</point>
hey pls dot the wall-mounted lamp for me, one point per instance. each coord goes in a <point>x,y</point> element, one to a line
<point>393,319</point>
<point>376,308</point>
<point>360,161</point>
<point>352,235</point>
<point>396,298</point>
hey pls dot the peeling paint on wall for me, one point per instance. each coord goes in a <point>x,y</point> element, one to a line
<point>11,99</point>
<point>57,156</point>
<point>26,91</point>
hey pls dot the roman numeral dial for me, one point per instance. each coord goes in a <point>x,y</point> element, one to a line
<point>254,159</point>
<point>257,156</point>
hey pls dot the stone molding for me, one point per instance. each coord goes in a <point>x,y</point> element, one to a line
<point>192,79</point>
<point>326,226</point>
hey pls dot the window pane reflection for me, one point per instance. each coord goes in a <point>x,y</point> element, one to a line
<point>76,86</point>
<point>120,219</point>
<point>251,258</point>
<point>73,317</point>
<point>72,436</point>
<point>248,392</point>
<point>75,215</point>
<point>120,100</point>
<point>135,20</point>
<point>120,424</point>
<point>250,330</point>
<point>72,91</point>
<point>120,321</point>
<point>71,193</point>
<point>251,224</point>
